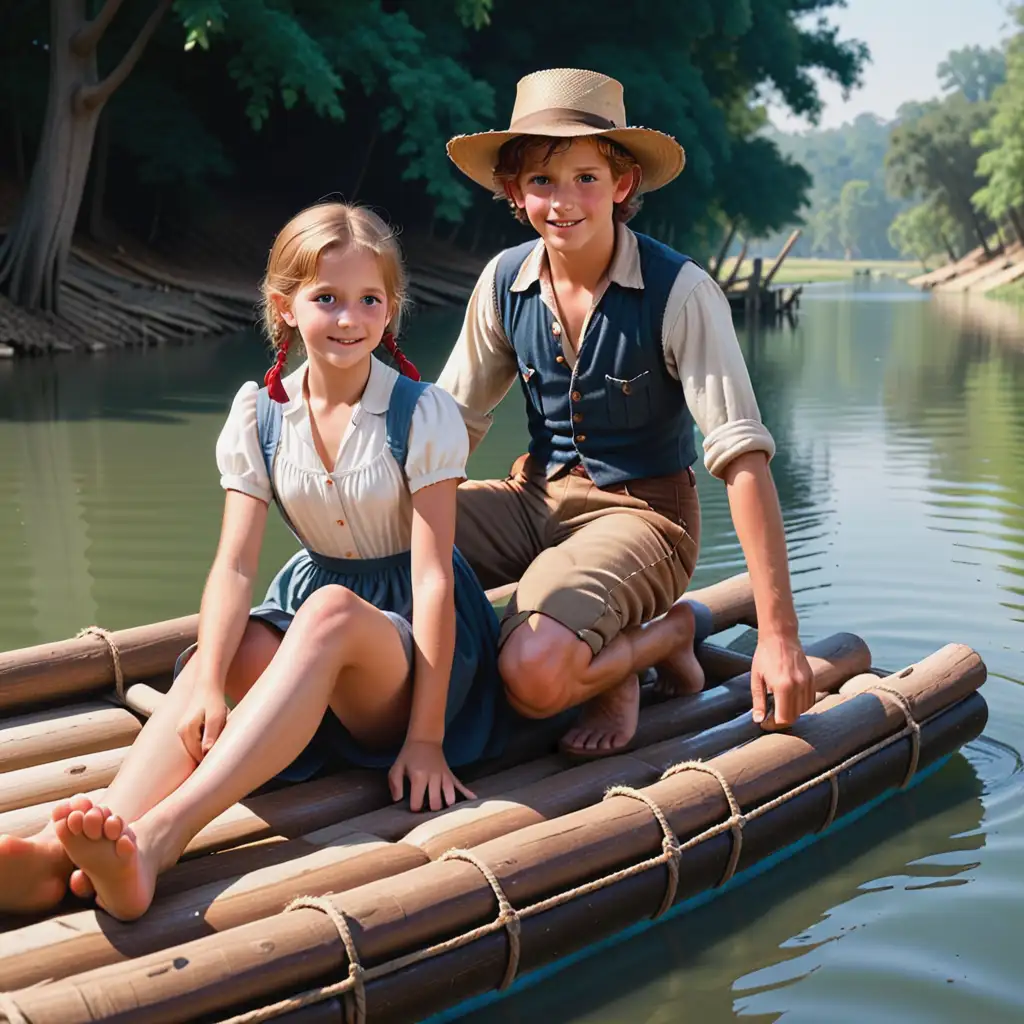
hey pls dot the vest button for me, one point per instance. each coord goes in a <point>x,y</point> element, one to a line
<point>575,396</point>
<point>580,438</point>
<point>577,417</point>
<point>556,329</point>
<point>559,359</point>
<point>627,388</point>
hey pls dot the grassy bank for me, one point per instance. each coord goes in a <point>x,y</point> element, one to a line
<point>1009,293</point>
<point>800,270</point>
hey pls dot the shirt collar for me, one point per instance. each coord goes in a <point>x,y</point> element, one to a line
<point>376,395</point>
<point>624,269</point>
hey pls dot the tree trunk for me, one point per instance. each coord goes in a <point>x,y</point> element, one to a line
<point>1015,219</point>
<point>949,248</point>
<point>97,229</point>
<point>724,249</point>
<point>35,252</point>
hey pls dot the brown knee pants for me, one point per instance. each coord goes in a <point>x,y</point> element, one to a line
<point>597,560</point>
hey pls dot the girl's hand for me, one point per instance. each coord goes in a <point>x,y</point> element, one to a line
<point>428,772</point>
<point>203,720</point>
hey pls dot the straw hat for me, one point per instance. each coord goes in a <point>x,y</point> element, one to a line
<point>567,103</point>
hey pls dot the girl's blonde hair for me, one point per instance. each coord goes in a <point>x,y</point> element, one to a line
<point>309,234</point>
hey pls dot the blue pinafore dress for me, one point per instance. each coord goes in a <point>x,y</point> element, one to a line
<point>476,713</point>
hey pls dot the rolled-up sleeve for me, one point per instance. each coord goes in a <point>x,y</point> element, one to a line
<point>703,353</point>
<point>482,365</point>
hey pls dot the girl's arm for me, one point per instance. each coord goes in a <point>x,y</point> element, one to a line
<point>223,616</point>
<point>433,596</point>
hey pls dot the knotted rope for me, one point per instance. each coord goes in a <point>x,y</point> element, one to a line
<point>509,919</point>
<point>107,637</point>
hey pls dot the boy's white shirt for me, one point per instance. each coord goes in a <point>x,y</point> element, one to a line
<point>698,340</point>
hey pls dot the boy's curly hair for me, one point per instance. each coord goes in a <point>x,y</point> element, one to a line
<point>513,155</point>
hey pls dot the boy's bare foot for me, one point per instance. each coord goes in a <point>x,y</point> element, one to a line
<point>33,873</point>
<point>608,724</point>
<point>680,673</point>
<point>106,850</point>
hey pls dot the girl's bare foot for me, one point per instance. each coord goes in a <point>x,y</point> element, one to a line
<point>106,850</point>
<point>608,724</point>
<point>681,673</point>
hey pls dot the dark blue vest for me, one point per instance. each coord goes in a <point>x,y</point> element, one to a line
<point>618,410</point>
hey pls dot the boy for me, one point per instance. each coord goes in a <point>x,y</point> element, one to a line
<point>620,344</point>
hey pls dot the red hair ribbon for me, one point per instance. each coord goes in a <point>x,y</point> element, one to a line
<point>405,367</point>
<point>273,376</point>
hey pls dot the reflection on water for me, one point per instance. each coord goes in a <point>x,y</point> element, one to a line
<point>900,426</point>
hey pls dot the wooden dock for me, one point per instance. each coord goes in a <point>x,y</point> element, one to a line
<point>756,297</point>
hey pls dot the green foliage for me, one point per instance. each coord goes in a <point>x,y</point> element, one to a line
<point>934,156</point>
<point>855,208</point>
<point>1003,138</point>
<point>833,158</point>
<point>974,71</point>
<point>924,231</point>
<point>156,127</point>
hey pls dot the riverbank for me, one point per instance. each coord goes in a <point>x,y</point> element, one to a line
<point>1013,293</point>
<point>805,270</point>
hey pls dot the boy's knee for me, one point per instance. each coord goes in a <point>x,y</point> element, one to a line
<point>539,664</point>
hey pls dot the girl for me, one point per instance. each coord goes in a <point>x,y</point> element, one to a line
<point>332,666</point>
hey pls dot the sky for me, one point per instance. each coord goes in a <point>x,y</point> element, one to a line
<point>908,39</point>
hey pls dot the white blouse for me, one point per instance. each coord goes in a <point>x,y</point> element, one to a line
<point>363,508</point>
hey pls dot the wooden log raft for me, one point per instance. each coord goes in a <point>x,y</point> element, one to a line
<point>97,658</point>
<point>560,884</point>
<point>215,894</point>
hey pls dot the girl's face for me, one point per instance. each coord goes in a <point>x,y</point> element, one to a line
<point>342,313</point>
<point>570,198</point>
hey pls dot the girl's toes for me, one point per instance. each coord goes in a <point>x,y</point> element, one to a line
<point>75,821</point>
<point>92,824</point>
<point>113,827</point>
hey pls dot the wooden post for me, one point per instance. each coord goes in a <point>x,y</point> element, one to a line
<point>790,242</point>
<point>754,289</point>
<point>737,267</point>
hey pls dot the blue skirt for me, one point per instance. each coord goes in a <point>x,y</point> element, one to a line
<point>477,716</point>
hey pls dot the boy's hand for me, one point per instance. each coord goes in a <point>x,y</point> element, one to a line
<point>780,668</point>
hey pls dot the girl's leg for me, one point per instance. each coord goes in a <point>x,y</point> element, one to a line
<point>339,652</point>
<point>34,872</point>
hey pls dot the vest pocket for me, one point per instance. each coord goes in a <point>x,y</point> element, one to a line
<point>629,400</point>
<point>531,383</point>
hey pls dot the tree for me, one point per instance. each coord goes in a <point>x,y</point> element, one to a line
<point>277,55</point>
<point>934,156</point>
<point>854,211</point>
<point>923,231</point>
<point>1002,139</point>
<point>36,250</point>
<point>975,71</point>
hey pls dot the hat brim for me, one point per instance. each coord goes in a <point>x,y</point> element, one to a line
<point>660,157</point>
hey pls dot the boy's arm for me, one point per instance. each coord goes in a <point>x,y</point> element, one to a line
<point>482,365</point>
<point>702,351</point>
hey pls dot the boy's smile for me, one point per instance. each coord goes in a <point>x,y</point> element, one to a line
<point>569,197</point>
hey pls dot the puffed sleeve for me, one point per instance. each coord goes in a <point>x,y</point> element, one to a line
<point>438,441</point>
<point>239,457</point>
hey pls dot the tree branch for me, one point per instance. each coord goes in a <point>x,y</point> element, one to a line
<point>87,38</point>
<point>92,96</point>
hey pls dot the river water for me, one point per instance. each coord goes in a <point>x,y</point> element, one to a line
<point>900,426</point>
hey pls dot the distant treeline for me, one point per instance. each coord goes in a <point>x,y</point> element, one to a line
<point>946,175</point>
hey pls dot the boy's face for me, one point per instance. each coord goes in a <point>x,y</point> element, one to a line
<point>570,198</point>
